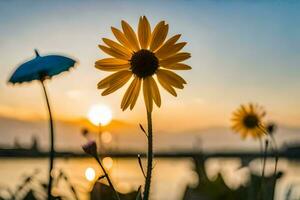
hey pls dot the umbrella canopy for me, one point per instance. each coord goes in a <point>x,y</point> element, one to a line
<point>41,67</point>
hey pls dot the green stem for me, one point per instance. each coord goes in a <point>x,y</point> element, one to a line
<point>276,153</point>
<point>261,148</point>
<point>107,178</point>
<point>263,169</point>
<point>51,142</point>
<point>150,157</point>
<point>275,150</point>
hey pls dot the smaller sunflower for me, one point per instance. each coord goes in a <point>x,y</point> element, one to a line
<point>247,120</point>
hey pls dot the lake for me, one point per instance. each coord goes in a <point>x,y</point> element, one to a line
<point>171,176</point>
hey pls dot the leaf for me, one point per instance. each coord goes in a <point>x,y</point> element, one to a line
<point>154,165</point>
<point>142,128</point>
<point>101,177</point>
<point>141,165</point>
<point>139,194</point>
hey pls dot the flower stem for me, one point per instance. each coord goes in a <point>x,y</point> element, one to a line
<point>275,150</point>
<point>150,157</point>
<point>276,153</point>
<point>107,178</point>
<point>263,169</point>
<point>261,149</point>
<point>52,150</point>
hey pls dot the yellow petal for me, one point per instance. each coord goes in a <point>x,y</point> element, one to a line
<point>113,86</point>
<point>117,47</point>
<point>130,35</point>
<point>172,78</point>
<point>121,38</point>
<point>251,107</point>
<point>178,66</point>
<point>112,64</point>
<point>114,53</point>
<point>166,86</point>
<point>135,93</point>
<point>263,113</point>
<point>171,50</point>
<point>244,109</point>
<point>106,82</point>
<point>175,59</point>
<point>144,32</point>
<point>147,94</point>
<point>244,134</point>
<point>172,83</point>
<point>159,35</point>
<point>155,91</point>
<point>236,127</point>
<point>169,43</point>
<point>128,96</point>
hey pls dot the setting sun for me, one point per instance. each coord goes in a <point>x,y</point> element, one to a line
<point>100,114</point>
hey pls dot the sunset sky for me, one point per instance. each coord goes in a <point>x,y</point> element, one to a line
<point>241,52</point>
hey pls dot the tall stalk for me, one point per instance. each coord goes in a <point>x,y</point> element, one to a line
<point>261,149</point>
<point>149,157</point>
<point>263,170</point>
<point>275,149</point>
<point>51,141</point>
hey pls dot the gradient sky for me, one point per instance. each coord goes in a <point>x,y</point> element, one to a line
<point>241,52</point>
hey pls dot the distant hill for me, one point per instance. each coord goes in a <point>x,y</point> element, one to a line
<point>129,136</point>
<point>68,133</point>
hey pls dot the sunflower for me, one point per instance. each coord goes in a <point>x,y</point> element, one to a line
<point>247,120</point>
<point>140,57</point>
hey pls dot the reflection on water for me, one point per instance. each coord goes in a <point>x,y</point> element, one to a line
<point>169,174</point>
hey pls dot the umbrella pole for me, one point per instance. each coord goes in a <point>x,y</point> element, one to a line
<point>52,141</point>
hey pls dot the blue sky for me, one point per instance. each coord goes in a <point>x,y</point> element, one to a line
<point>242,51</point>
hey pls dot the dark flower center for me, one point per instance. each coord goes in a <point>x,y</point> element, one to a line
<point>251,121</point>
<point>144,63</point>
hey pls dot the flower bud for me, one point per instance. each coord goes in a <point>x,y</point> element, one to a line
<point>90,148</point>
<point>271,128</point>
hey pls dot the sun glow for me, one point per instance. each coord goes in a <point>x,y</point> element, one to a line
<point>100,114</point>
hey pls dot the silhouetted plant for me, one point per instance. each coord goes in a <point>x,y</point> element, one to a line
<point>42,68</point>
<point>91,148</point>
<point>142,56</point>
<point>248,120</point>
<point>32,188</point>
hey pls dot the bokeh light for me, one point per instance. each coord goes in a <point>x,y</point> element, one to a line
<point>108,162</point>
<point>106,137</point>
<point>90,174</point>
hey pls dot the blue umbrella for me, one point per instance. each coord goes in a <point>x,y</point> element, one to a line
<point>41,68</point>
